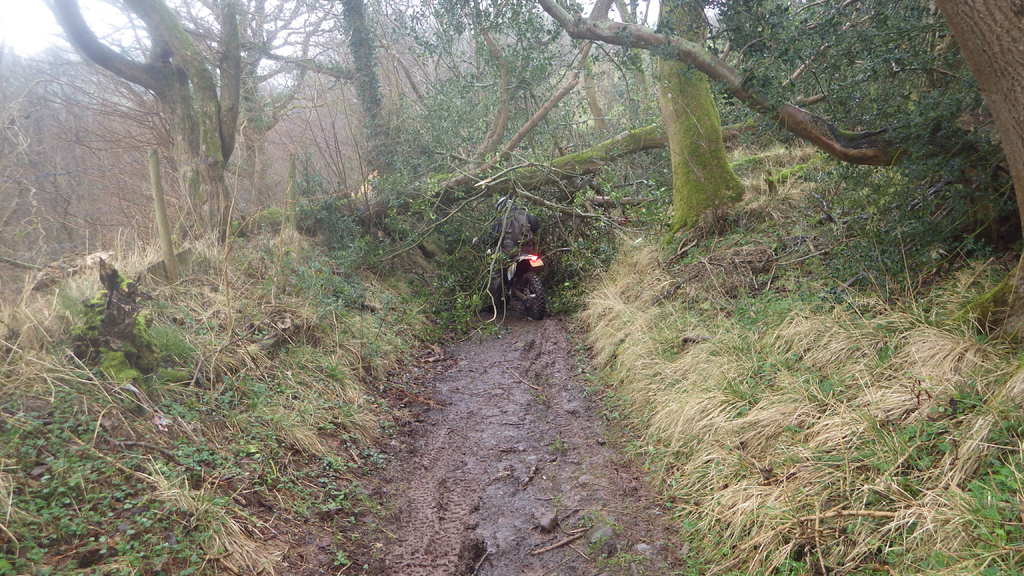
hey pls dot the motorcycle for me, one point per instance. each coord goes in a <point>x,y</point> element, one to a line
<point>523,286</point>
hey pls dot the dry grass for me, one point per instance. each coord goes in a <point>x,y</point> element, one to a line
<point>809,436</point>
<point>225,539</point>
<point>6,503</point>
<point>240,328</point>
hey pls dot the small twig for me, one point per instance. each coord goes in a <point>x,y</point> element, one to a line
<point>147,446</point>
<point>682,250</point>
<point>559,207</point>
<point>3,529</point>
<point>427,230</point>
<point>805,257</point>
<point>481,562</point>
<point>558,544</point>
<point>578,551</point>
<point>19,264</point>
<point>419,399</point>
<point>523,380</point>
<point>490,180</point>
<point>848,514</point>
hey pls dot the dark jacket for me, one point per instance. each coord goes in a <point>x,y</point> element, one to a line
<point>519,229</point>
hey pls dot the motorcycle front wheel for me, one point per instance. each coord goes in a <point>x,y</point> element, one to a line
<point>535,304</point>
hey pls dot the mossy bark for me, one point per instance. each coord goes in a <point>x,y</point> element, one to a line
<point>113,333</point>
<point>988,32</point>
<point>701,176</point>
<point>202,106</point>
<point>562,170</point>
<point>216,127</point>
<point>367,83</point>
<point>1001,308</point>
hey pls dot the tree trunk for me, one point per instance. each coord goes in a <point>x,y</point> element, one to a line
<point>496,132</point>
<point>162,225</point>
<point>989,33</point>
<point>202,106</point>
<point>701,176</point>
<point>176,102</point>
<point>367,85</point>
<point>291,196</point>
<point>590,89</point>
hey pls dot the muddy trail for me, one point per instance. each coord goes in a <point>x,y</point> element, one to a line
<point>507,471</point>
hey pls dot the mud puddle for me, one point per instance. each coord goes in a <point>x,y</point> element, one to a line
<point>506,472</point>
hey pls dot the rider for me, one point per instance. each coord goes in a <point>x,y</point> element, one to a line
<point>513,232</point>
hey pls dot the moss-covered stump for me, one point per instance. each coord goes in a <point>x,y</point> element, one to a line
<point>113,333</point>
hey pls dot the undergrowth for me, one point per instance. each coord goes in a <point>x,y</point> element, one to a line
<point>251,435</point>
<point>800,423</point>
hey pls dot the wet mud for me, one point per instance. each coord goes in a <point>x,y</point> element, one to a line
<point>507,471</point>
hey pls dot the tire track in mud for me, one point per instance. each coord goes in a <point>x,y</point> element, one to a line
<point>513,443</point>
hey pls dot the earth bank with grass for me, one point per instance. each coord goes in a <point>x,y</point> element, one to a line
<point>799,419</point>
<point>243,446</point>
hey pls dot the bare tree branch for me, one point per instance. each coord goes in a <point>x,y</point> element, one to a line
<point>500,122</point>
<point>69,16</point>
<point>868,148</point>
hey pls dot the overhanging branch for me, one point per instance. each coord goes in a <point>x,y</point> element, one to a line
<point>69,16</point>
<point>573,166</point>
<point>869,148</point>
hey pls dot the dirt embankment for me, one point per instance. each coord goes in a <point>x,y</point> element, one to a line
<point>508,464</point>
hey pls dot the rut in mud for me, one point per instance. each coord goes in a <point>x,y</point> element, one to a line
<point>511,460</point>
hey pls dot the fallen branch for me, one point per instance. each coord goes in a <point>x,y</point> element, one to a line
<point>570,166</point>
<point>523,380</point>
<point>19,264</point>
<point>609,201</point>
<point>558,544</point>
<point>848,514</point>
<point>147,446</point>
<point>426,231</point>
<point>558,207</point>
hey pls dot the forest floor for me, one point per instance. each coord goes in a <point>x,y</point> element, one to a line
<point>508,468</point>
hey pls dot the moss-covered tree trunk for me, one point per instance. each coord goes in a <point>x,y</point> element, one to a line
<point>701,177</point>
<point>200,97</point>
<point>367,82</point>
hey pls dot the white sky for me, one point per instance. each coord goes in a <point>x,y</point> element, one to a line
<point>28,27</point>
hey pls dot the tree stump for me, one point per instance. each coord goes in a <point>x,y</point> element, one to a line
<point>113,335</point>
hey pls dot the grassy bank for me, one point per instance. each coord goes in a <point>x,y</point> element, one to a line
<point>241,449</point>
<point>799,425</point>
